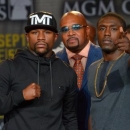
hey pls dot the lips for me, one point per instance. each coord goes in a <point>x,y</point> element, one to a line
<point>41,45</point>
<point>72,39</point>
<point>107,41</point>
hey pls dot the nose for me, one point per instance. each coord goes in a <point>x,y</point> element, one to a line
<point>107,32</point>
<point>41,35</point>
<point>71,31</point>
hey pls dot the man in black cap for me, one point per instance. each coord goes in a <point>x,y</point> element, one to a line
<point>37,89</point>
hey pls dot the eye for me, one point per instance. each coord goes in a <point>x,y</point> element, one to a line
<point>76,27</point>
<point>114,29</point>
<point>64,29</point>
<point>34,32</point>
<point>102,28</point>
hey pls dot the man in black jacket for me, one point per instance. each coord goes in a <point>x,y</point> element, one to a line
<point>37,89</point>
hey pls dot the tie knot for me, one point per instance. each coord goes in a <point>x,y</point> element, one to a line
<point>77,57</point>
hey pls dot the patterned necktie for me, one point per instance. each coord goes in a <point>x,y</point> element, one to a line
<point>78,69</point>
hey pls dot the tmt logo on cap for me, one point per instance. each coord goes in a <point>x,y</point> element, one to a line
<point>45,19</point>
<point>41,20</point>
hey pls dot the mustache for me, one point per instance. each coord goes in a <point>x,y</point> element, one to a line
<point>72,38</point>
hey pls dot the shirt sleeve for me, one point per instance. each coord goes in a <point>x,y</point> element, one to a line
<point>8,98</point>
<point>69,106</point>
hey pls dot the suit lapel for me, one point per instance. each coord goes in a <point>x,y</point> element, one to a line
<point>91,58</point>
<point>64,56</point>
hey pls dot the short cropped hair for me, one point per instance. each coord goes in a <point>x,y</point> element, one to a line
<point>119,17</point>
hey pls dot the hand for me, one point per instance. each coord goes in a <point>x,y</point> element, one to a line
<point>123,43</point>
<point>32,91</point>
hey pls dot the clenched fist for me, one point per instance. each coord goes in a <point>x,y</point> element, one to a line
<point>32,91</point>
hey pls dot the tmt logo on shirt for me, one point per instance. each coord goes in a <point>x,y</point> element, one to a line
<point>45,19</point>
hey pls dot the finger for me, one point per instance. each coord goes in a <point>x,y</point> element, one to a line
<point>33,85</point>
<point>38,94</point>
<point>38,91</point>
<point>121,29</point>
<point>122,32</point>
<point>38,87</point>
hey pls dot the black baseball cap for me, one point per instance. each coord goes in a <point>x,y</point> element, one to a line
<point>39,20</point>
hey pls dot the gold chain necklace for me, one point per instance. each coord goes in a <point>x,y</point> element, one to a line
<point>105,82</point>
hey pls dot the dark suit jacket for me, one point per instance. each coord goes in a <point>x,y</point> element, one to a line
<point>83,99</point>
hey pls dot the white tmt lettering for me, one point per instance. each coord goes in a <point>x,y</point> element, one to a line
<point>45,19</point>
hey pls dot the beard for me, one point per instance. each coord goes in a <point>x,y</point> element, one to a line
<point>108,50</point>
<point>72,48</point>
<point>41,52</point>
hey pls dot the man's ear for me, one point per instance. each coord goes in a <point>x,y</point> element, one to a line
<point>88,30</point>
<point>56,36</point>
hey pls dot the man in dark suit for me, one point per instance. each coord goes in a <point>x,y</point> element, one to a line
<point>75,36</point>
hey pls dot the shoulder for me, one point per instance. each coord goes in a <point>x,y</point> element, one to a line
<point>64,66</point>
<point>6,63</point>
<point>95,52</point>
<point>7,69</point>
<point>94,64</point>
<point>10,65</point>
<point>95,47</point>
<point>61,52</point>
<point>127,56</point>
<point>62,63</point>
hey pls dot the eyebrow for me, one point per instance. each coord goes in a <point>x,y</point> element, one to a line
<point>112,25</point>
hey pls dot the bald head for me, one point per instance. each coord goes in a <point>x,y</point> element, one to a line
<point>75,14</point>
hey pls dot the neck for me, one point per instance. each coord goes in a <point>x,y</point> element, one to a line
<point>113,56</point>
